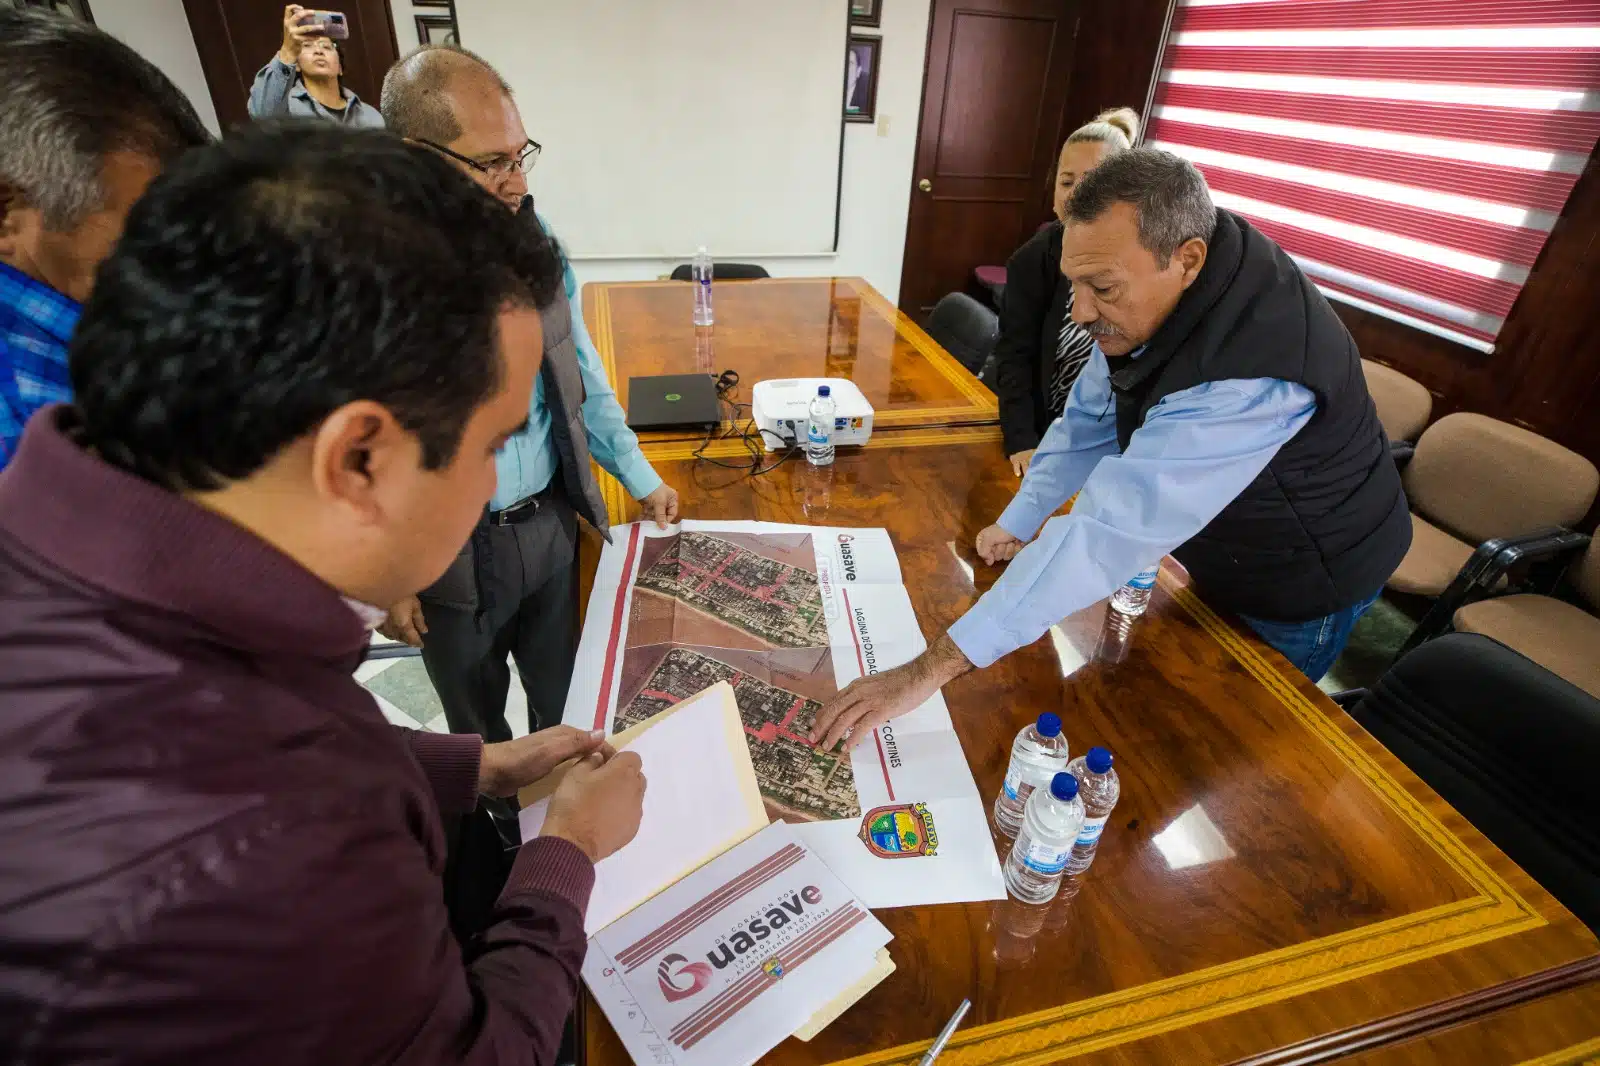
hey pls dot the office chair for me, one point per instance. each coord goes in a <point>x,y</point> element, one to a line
<point>722,272</point>
<point>966,329</point>
<point>1509,745</point>
<point>1474,479</point>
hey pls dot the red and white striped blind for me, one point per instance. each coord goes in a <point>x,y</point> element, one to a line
<point>1412,155</point>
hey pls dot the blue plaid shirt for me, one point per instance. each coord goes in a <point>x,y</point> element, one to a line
<point>36,324</point>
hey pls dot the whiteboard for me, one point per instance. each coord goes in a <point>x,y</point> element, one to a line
<point>668,124</point>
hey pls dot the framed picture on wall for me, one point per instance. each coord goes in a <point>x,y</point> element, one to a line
<point>866,12</point>
<point>430,3</point>
<point>861,79</point>
<point>436,29</point>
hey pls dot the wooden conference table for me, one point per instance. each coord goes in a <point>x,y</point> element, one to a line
<point>785,327</point>
<point>1274,887</point>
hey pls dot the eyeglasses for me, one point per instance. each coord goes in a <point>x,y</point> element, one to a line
<point>499,169</point>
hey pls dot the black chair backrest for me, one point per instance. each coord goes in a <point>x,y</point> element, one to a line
<point>722,271</point>
<point>1509,745</point>
<point>965,328</point>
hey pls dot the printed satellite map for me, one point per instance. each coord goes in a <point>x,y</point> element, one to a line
<point>762,596</point>
<point>744,609</point>
<point>785,614</point>
<point>798,782</point>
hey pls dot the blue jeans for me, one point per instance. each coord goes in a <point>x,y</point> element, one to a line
<point>1312,646</point>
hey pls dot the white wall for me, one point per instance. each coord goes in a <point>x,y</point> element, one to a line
<point>668,125</point>
<point>876,193</point>
<point>159,31</point>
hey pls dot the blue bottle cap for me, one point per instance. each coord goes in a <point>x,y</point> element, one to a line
<point>1049,724</point>
<point>1098,760</point>
<point>1064,786</point>
<point>824,390</point>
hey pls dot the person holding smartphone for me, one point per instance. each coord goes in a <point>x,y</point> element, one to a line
<point>306,78</point>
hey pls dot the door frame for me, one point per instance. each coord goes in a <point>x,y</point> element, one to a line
<point>1044,187</point>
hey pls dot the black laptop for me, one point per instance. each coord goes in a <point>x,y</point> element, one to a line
<point>673,401</point>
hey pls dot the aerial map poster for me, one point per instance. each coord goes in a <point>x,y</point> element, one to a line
<point>788,615</point>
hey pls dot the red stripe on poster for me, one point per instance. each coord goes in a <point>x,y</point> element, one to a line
<point>861,662</point>
<point>639,952</point>
<point>601,708</point>
<point>748,989</point>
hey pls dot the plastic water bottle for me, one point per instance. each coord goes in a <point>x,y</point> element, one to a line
<point>1037,755</point>
<point>819,428</point>
<point>702,287</point>
<point>1134,597</point>
<point>1050,825</point>
<point>1099,788</point>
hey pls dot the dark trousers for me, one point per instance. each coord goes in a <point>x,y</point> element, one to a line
<point>530,589</point>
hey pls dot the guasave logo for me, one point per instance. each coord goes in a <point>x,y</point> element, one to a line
<point>679,978</point>
<point>847,557</point>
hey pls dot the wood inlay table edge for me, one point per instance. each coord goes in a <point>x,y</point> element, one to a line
<point>1412,1024</point>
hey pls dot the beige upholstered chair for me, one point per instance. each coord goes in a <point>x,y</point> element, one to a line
<point>1474,479</point>
<point>1555,634</point>
<point>1403,404</point>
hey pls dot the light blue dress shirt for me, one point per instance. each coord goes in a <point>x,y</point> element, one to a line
<point>1197,450</point>
<point>529,460</point>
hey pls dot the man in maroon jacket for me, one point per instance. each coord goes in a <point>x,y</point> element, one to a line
<point>291,381</point>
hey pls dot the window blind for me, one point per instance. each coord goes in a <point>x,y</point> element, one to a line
<point>1412,155</point>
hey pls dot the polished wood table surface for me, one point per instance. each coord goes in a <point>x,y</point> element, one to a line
<point>1274,887</point>
<point>781,328</point>
<point>1562,1029</point>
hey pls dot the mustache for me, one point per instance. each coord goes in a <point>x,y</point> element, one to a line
<point>1100,328</point>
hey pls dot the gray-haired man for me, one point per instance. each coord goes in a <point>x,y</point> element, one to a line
<point>1223,418</point>
<point>514,588</point>
<point>86,124</point>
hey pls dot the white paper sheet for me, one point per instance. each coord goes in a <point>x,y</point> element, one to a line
<point>728,962</point>
<point>699,800</point>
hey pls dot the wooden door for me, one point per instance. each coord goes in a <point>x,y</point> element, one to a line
<point>235,39</point>
<point>986,147</point>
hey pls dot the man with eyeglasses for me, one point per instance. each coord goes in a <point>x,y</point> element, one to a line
<point>513,590</point>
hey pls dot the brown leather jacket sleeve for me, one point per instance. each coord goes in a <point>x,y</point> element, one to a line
<point>323,938</point>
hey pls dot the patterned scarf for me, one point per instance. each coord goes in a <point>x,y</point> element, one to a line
<point>1073,348</point>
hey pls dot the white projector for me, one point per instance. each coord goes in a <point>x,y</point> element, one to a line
<point>782,408</point>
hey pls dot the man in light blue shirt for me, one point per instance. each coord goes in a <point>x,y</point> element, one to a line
<point>1223,418</point>
<point>513,591</point>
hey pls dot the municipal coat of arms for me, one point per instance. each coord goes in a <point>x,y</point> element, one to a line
<point>899,831</point>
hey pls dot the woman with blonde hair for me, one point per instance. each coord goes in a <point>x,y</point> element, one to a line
<point>1041,350</point>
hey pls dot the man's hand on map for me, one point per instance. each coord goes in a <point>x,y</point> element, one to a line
<point>995,545</point>
<point>516,763</point>
<point>661,506</point>
<point>598,804</point>
<point>868,702</point>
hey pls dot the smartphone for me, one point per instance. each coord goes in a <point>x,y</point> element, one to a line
<point>330,23</point>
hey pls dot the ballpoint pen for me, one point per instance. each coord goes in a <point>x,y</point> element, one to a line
<point>945,1033</point>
